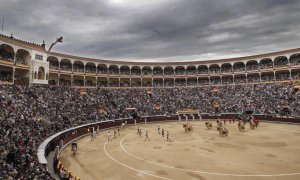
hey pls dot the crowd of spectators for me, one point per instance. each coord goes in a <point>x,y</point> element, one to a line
<point>30,114</point>
<point>6,76</point>
<point>6,56</point>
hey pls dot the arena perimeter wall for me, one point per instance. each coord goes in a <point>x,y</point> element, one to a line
<point>63,138</point>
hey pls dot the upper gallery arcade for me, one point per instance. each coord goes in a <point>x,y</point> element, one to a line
<point>31,62</point>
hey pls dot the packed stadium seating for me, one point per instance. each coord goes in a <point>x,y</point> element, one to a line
<point>31,114</point>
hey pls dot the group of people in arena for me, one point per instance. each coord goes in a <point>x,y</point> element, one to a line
<point>30,114</point>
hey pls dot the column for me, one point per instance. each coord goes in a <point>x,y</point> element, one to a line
<point>96,81</point>
<point>58,77</point>
<point>259,76</point>
<point>84,81</point>
<point>13,75</point>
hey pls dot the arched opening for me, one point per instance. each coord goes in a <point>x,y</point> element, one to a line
<point>136,71</point>
<point>41,73</point>
<point>53,62</point>
<point>90,68</point>
<point>214,68</point>
<point>295,59</point>
<point>225,68</point>
<point>202,69</point>
<point>65,65</point>
<point>238,66</point>
<point>191,70</point>
<point>78,66</point>
<point>147,71</point>
<point>102,69</point>
<point>266,63</point>
<point>7,52</point>
<point>113,69</point>
<point>281,61</point>
<point>179,70</point>
<point>125,70</point>
<point>22,57</point>
<point>169,70</point>
<point>157,71</point>
<point>252,65</point>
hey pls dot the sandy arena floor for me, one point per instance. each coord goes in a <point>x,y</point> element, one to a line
<point>272,151</point>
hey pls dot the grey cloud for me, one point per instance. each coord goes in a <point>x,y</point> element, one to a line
<point>166,30</point>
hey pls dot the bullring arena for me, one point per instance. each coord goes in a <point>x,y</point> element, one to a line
<point>269,152</point>
<point>50,102</point>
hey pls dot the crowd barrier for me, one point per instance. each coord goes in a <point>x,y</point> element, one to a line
<point>62,139</point>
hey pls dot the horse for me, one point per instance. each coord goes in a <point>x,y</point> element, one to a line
<point>208,125</point>
<point>241,126</point>
<point>187,127</point>
<point>223,131</point>
<point>252,125</point>
<point>219,125</point>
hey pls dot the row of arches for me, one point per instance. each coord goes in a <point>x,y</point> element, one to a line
<point>7,53</point>
<point>252,65</point>
<point>180,81</point>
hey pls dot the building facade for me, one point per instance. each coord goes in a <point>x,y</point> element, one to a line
<point>32,63</point>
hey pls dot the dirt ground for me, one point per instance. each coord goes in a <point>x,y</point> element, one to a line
<point>269,152</point>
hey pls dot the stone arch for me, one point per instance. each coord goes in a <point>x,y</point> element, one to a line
<point>281,61</point>
<point>7,52</point>
<point>146,70</point>
<point>125,70</point>
<point>102,69</point>
<point>202,69</point>
<point>169,70</point>
<point>22,56</point>
<point>239,66</point>
<point>90,67</point>
<point>252,65</point>
<point>113,69</point>
<point>136,70</point>
<point>214,68</point>
<point>180,70</point>
<point>157,70</point>
<point>191,69</point>
<point>295,59</point>
<point>226,67</point>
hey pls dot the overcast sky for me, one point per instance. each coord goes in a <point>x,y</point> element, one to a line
<point>156,30</point>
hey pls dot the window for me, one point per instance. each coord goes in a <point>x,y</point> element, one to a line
<point>38,57</point>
